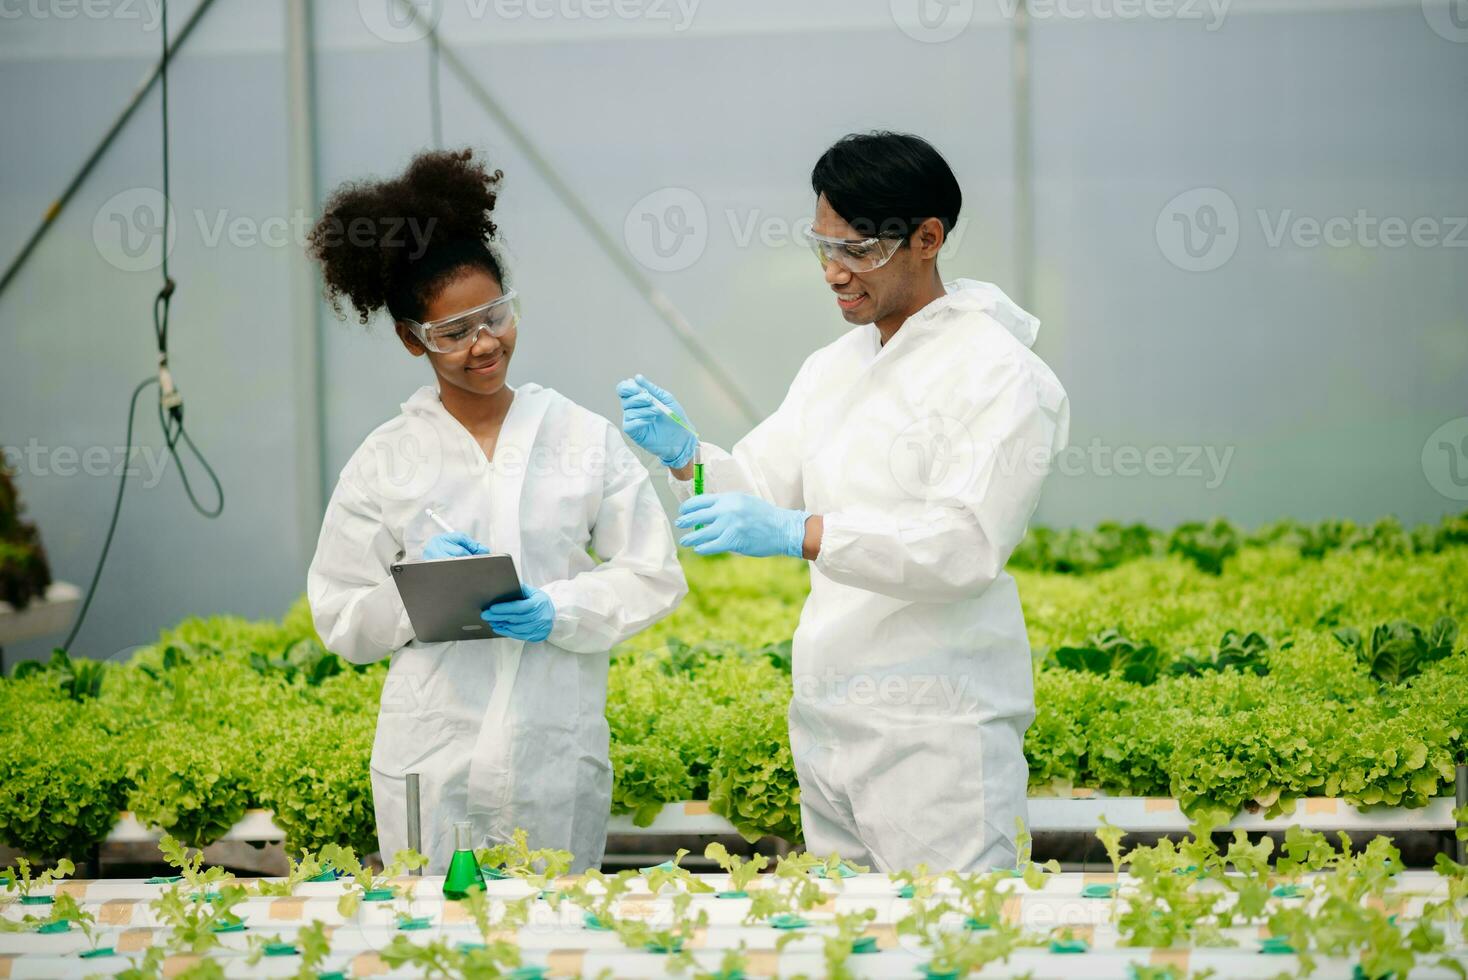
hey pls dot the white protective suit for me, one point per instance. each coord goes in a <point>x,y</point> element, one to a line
<point>912,674</point>
<point>501,732</point>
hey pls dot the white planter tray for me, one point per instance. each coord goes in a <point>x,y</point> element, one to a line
<point>1047,814</point>
<point>42,616</point>
<point>556,939</point>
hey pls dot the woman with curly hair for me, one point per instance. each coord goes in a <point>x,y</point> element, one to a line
<point>511,731</point>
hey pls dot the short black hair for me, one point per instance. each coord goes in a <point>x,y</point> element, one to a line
<point>886,184</point>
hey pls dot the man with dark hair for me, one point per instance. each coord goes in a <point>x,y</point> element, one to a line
<point>904,465</point>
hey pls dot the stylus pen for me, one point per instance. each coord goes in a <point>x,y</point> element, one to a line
<point>432,516</point>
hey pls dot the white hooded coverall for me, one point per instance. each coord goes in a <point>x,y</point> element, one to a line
<point>912,674</point>
<point>504,733</point>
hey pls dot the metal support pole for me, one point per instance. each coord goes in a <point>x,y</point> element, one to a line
<point>306,333</point>
<point>1462,824</point>
<point>1024,176</point>
<point>415,829</point>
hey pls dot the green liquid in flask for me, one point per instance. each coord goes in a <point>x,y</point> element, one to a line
<point>464,873</point>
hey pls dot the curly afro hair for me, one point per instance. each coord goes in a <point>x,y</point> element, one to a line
<point>393,243</point>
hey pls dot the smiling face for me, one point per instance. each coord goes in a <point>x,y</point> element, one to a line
<point>881,295</point>
<point>483,367</point>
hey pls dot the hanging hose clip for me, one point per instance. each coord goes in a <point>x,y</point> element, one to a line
<point>168,395</point>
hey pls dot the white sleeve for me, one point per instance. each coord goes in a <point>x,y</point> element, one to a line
<point>767,462</point>
<point>639,580</point>
<point>958,544</point>
<point>354,600</point>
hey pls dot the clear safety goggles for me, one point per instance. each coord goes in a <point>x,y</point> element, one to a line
<point>458,332</point>
<point>856,255</point>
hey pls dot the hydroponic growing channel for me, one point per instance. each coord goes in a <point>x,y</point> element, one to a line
<point>1315,663</point>
<point>1169,910</point>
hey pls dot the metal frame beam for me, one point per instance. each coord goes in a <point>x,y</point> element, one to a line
<point>573,203</point>
<point>100,150</point>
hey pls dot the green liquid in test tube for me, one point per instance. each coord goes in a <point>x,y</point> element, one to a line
<point>698,480</point>
<point>464,873</point>
<point>698,457</point>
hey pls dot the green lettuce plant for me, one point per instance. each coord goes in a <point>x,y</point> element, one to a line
<point>17,878</point>
<point>1400,650</point>
<point>24,572</point>
<point>539,867</point>
<point>77,679</point>
<point>742,872</point>
<point>367,885</point>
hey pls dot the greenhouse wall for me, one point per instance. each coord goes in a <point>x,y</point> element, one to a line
<point>1285,378</point>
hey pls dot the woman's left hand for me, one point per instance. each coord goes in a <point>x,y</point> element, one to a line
<point>529,619</point>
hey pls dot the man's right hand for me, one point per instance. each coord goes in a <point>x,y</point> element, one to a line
<point>651,428</point>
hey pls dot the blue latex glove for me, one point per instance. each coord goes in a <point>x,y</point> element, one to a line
<point>741,523</point>
<point>652,429</point>
<point>455,545</point>
<point>529,619</point>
